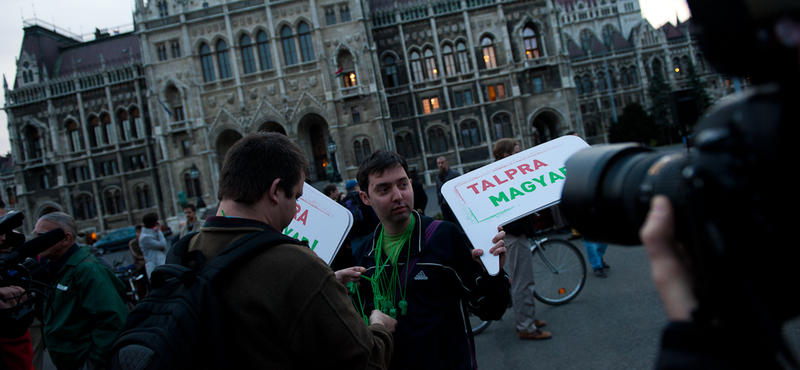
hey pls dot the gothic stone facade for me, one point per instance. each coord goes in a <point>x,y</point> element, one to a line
<point>77,119</point>
<point>220,70</point>
<point>426,79</point>
<point>459,75</point>
<point>614,54</point>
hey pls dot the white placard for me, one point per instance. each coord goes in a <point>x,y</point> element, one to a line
<point>321,221</point>
<point>509,189</point>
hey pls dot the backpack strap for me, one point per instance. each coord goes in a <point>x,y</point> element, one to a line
<point>180,249</point>
<point>431,229</point>
<point>179,257</point>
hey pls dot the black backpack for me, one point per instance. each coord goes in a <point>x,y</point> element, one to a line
<point>180,323</point>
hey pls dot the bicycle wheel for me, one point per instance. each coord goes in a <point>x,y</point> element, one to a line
<point>559,272</point>
<point>477,324</point>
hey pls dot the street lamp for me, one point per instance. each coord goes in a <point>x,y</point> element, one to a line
<point>195,174</point>
<point>332,150</point>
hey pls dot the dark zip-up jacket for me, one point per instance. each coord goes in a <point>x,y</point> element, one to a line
<point>443,282</point>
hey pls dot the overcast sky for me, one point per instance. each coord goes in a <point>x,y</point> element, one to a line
<point>83,16</point>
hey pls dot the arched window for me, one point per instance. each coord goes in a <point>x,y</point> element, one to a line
<point>502,126</point>
<point>430,64</point>
<point>586,80</point>
<point>578,85</point>
<point>632,76</point>
<point>601,81</point>
<point>531,43</point>
<point>114,202</point>
<point>34,143</point>
<point>685,65</point>
<point>289,49</point>
<point>224,60</point>
<point>248,57</point>
<point>208,63</point>
<point>192,186</point>
<point>264,52</point>
<point>405,145</point>
<point>124,126</point>
<point>163,9</point>
<point>489,58</point>
<point>657,68</point>
<point>306,47</point>
<point>416,67</point>
<point>105,120</point>
<point>449,60</point>
<point>75,137</point>
<point>391,72</point>
<point>587,40</point>
<point>463,57</point>
<point>437,141</point>
<point>470,134</point>
<point>623,75</point>
<point>143,197</point>
<point>84,207</point>
<point>95,132</point>
<point>361,149</point>
<point>608,35</point>
<point>137,130</point>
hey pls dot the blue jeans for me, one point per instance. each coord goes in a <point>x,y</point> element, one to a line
<point>595,252</point>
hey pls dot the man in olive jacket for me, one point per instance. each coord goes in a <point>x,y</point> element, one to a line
<point>84,311</point>
<point>286,308</point>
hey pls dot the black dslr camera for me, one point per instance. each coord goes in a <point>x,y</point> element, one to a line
<point>17,264</point>
<point>730,191</point>
<point>19,267</point>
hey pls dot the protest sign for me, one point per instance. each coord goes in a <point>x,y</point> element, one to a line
<point>509,189</point>
<point>321,221</point>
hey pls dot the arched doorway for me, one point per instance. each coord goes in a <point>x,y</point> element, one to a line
<point>319,150</point>
<point>544,127</point>
<point>225,141</point>
<point>272,127</point>
<point>313,139</point>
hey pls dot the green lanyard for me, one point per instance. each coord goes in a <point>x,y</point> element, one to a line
<point>385,285</point>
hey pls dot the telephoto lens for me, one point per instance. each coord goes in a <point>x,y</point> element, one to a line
<point>608,189</point>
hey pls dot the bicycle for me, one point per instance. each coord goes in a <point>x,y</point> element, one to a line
<point>135,286</point>
<point>559,270</point>
<point>559,273</point>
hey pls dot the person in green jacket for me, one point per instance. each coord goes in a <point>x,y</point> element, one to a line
<point>84,311</point>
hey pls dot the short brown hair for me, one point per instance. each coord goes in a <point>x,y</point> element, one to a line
<point>255,161</point>
<point>329,189</point>
<point>378,162</point>
<point>503,147</point>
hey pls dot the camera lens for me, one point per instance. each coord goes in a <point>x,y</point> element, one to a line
<point>608,189</point>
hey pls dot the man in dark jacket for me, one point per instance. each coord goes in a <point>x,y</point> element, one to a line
<point>424,272</point>
<point>85,311</point>
<point>288,308</point>
<point>445,174</point>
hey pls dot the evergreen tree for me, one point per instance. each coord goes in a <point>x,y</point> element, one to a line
<point>660,111</point>
<point>701,97</point>
<point>634,124</point>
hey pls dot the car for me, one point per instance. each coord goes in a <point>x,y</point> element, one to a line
<point>115,240</point>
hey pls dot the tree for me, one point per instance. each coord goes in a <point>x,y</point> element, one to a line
<point>660,112</point>
<point>634,124</point>
<point>701,97</point>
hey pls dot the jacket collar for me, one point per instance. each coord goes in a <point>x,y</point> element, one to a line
<point>236,222</point>
<point>416,238</point>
